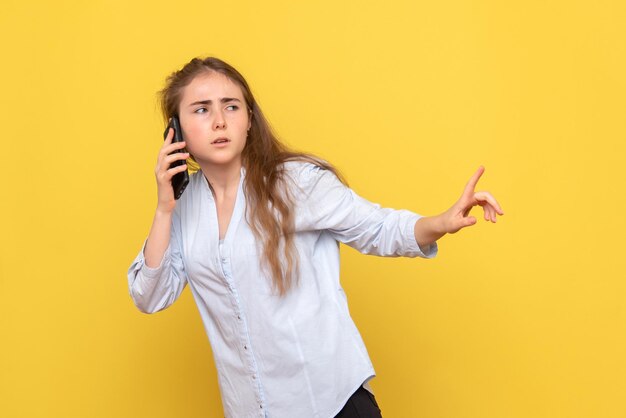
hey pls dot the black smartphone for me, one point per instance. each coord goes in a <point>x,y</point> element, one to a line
<point>180,180</point>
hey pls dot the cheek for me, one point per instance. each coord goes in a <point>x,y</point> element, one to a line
<point>238,122</point>
<point>194,131</point>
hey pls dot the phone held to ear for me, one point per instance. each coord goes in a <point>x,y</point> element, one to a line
<point>180,180</point>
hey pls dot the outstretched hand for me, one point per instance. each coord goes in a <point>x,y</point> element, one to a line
<point>457,217</point>
<point>430,229</point>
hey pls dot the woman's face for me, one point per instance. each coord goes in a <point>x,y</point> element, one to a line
<point>214,119</point>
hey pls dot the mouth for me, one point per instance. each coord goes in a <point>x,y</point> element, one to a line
<point>221,141</point>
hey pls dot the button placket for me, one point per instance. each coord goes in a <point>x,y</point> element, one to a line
<point>221,262</point>
<point>224,262</point>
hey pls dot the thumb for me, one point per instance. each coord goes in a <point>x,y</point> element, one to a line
<point>462,223</point>
<point>469,221</point>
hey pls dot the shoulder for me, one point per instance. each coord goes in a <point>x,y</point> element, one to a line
<point>309,180</point>
<point>304,172</point>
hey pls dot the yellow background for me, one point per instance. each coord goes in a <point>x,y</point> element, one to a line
<point>525,318</point>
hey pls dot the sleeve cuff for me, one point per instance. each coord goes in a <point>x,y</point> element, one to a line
<point>429,251</point>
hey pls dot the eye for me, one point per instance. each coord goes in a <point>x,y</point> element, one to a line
<point>234,107</point>
<point>200,110</point>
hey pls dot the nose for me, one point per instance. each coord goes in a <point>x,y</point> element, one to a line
<point>219,122</point>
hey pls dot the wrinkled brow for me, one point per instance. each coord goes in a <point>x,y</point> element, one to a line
<point>222,100</point>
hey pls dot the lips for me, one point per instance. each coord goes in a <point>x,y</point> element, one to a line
<point>222,140</point>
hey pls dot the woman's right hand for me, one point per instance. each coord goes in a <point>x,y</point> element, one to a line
<point>164,174</point>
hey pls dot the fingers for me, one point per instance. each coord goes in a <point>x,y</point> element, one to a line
<point>469,199</point>
<point>486,197</point>
<point>468,221</point>
<point>457,224</point>
<point>168,154</point>
<point>471,184</point>
<point>165,174</point>
<point>490,213</point>
<point>175,156</point>
<point>490,206</point>
<point>166,163</point>
<point>175,170</point>
<point>170,158</point>
<point>169,136</point>
<point>170,148</point>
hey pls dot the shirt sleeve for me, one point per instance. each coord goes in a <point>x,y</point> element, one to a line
<point>154,289</point>
<point>325,203</point>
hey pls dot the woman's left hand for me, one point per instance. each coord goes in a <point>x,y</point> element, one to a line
<point>457,217</point>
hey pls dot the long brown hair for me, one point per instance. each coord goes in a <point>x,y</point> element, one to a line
<point>269,201</point>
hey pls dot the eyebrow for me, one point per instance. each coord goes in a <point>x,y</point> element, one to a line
<point>222,100</point>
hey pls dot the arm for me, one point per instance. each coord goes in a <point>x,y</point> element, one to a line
<point>154,288</point>
<point>156,277</point>
<point>327,204</point>
<point>158,238</point>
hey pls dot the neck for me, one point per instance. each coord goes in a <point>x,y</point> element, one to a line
<point>222,179</point>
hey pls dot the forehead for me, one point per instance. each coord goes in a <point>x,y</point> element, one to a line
<point>210,86</point>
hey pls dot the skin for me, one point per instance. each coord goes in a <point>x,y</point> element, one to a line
<point>430,228</point>
<point>202,123</point>
<point>222,113</point>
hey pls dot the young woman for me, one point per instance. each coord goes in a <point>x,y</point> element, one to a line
<point>255,235</point>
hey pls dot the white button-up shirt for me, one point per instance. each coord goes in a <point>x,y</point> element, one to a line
<point>295,356</point>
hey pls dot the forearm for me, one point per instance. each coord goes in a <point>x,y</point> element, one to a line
<point>428,229</point>
<point>158,238</point>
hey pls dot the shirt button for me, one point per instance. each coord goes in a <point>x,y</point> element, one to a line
<point>254,376</point>
<point>245,347</point>
<point>238,316</point>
